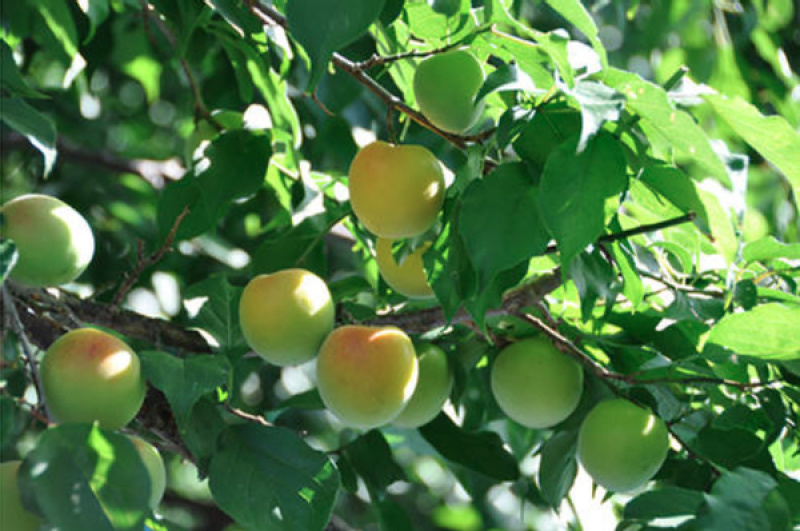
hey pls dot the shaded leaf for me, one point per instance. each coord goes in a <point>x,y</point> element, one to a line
<point>558,466</point>
<point>599,104</point>
<point>673,185</point>
<point>268,478</point>
<point>664,502</point>
<point>333,25</point>
<point>480,451</point>
<point>574,188</point>
<point>184,381</point>
<point>371,458</point>
<point>108,486</point>
<point>35,126</point>
<point>507,78</point>
<point>8,258</point>
<point>218,313</point>
<point>577,15</point>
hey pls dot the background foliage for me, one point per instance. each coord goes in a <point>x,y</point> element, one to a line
<point>632,190</point>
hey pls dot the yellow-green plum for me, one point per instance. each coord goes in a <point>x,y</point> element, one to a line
<point>445,86</point>
<point>89,375</point>
<point>535,384</point>
<point>154,465</point>
<point>622,445</point>
<point>396,191</point>
<point>285,315</point>
<point>408,277</point>
<point>433,388</point>
<point>366,374</point>
<point>13,515</point>
<point>54,242</point>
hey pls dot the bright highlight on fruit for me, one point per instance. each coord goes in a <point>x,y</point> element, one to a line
<point>285,315</point>
<point>54,242</point>
<point>445,86</point>
<point>434,385</point>
<point>89,375</point>
<point>396,191</point>
<point>366,375</point>
<point>13,515</point>
<point>535,384</point>
<point>622,445</point>
<point>407,278</point>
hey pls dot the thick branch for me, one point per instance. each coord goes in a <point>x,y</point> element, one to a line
<point>48,314</point>
<point>155,172</point>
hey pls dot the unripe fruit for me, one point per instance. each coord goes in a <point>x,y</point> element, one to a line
<point>13,515</point>
<point>285,315</point>
<point>366,374</point>
<point>155,469</point>
<point>89,375</point>
<point>433,388</point>
<point>54,242</point>
<point>622,445</point>
<point>535,384</point>
<point>445,86</point>
<point>396,191</point>
<point>407,278</point>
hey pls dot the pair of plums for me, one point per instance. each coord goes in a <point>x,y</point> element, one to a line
<point>367,376</point>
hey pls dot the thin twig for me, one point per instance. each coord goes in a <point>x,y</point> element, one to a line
<point>10,310</point>
<point>568,347</point>
<point>269,15</point>
<point>258,419</point>
<point>144,262</point>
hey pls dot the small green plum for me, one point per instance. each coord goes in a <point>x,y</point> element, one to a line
<point>434,385</point>
<point>407,278</point>
<point>54,242</point>
<point>155,469</point>
<point>622,445</point>
<point>286,315</point>
<point>89,375</point>
<point>535,384</point>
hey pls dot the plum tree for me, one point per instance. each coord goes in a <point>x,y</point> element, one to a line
<point>407,278</point>
<point>445,86</point>
<point>54,242</point>
<point>155,469</point>
<point>396,191</point>
<point>89,375</point>
<point>366,374</point>
<point>13,515</point>
<point>622,445</point>
<point>285,315</point>
<point>535,384</point>
<point>433,387</point>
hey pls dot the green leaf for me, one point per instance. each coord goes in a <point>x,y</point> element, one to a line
<point>576,14</point>
<point>551,125</point>
<point>555,45</point>
<point>8,257</point>
<point>481,451</point>
<point>667,127</point>
<point>59,21</point>
<point>599,104</point>
<point>574,189</point>
<point>632,287</point>
<point>507,78</point>
<point>184,381</point>
<point>450,272</point>
<point>500,222</point>
<point>97,12</point>
<point>371,457</point>
<point>324,26</point>
<point>219,311</point>
<point>664,502</point>
<point>593,276</point>
<point>737,502</point>
<point>769,248</point>
<point>769,331</point>
<point>772,136</point>
<point>238,16</point>
<point>234,165</point>
<point>10,78</point>
<point>269,479</point>
<point>674,186</point>
<point>38,128</point>
<point>82,477</point>
<point>558,466</point>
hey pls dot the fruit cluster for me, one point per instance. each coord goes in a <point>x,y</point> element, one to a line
<point>87,375</point>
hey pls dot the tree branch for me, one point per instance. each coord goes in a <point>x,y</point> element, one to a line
<point>270,16</point>
<point>155,172</point>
